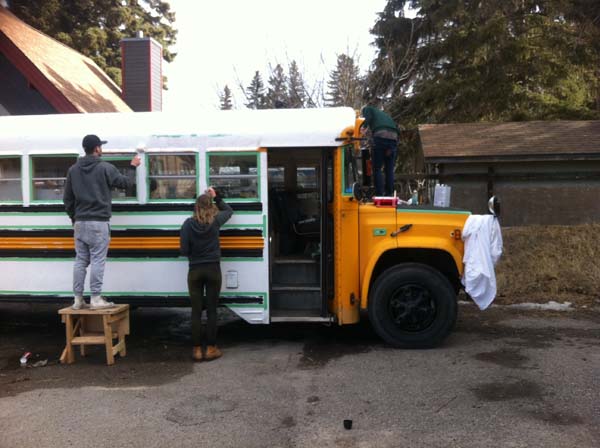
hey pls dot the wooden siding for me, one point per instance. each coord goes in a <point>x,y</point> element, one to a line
<point>550,193</point>
<point>142,77</point>
<point>156,75</point>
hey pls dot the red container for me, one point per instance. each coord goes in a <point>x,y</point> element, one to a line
<point>385,201</point>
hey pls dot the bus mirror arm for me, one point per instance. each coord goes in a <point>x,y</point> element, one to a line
<point>350,139</point>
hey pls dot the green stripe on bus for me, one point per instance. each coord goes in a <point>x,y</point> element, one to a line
<point>446,212</point>
<point>262,306</point>
<point>134,226</point>
<point>137,260</point>
<point>181,213</point>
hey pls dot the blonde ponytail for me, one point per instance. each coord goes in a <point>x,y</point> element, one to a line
<point>205,210</point>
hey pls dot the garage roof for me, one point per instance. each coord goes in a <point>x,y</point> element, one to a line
<point>532,139</point>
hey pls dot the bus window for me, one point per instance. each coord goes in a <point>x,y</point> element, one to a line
<point>172,176</point>
<point>234,175</point>
<point>123,164</point>
<point>276,176</point>
<point>48,176</point>
<point>10,179</point>
<point>306,178</point>
<point>351,173</point>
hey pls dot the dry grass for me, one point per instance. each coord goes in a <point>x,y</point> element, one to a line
<point>543,263</point>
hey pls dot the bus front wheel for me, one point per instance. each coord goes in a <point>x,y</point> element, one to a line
<point>412,306</point>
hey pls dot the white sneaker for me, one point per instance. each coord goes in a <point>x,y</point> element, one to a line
<point>100,302</point>
<point>78,303</point>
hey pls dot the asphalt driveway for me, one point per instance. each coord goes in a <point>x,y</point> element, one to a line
<point>505,378</point>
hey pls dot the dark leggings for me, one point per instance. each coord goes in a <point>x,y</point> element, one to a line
<point>206,275</point>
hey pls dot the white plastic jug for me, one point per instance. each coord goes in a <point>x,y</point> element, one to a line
<point>441,197</point>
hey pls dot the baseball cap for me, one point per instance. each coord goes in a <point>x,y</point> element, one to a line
<point>91,141</point>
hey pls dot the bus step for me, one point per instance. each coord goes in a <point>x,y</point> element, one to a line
<point>318,319</point>
<point>296,271</point>
<point>285,315</point>
<point>295,288</point>
<point>296,297</point>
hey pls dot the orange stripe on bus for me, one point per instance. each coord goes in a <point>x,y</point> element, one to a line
<point>167,242</point>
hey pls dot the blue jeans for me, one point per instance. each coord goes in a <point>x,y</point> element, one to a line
<point>384,156</point>
<point>91,246</point>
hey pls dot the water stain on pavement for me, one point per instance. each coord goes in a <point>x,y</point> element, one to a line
<point>199,409</point>
<point>317,353</point>
<point>556,418</point>
<point>502,391</point>
<point>288,422</point>
<point>504,357</point>
<point>312,399</point>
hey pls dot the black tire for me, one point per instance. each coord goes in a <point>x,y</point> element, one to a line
<point>412,306</point>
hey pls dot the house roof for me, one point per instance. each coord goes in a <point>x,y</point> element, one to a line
<point>532,139</point>
<point>70,81</point>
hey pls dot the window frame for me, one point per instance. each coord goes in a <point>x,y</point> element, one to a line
<point>19,180</point>
<point>256,154</point>
<point>148,155</point>
<point>32,179</point>
<point>343,151</point>
<point>120,157</point>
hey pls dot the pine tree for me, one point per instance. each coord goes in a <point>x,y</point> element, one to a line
<point>225,99</point>
<point>277,94</point>
<point>466,61</point>
<point>255,93</point>
<point>296,87</point>
<point>95,28</point>
<point>345,84</point>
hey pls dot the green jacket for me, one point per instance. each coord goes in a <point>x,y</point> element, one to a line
<point>378,120</point>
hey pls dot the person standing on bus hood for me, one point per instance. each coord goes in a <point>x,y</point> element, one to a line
<point>87,200</point>
<point>199,241</point>
<point>385,147</point>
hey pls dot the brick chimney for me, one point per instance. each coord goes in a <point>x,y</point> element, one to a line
<point>141,73</point>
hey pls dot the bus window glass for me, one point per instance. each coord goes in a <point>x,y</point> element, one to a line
<point>49,174</point>
<point>276,176</point>
<point>306,178</point>
<point>172,176</point>
<point>123,164</point>
<point>234,175</point>
<point>350,170</point>
<point>10,179</point>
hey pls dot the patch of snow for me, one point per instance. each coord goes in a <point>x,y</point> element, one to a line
<point>550,306</point>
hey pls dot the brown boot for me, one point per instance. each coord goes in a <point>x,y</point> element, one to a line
<point>197,354</point>
<point>212,352</point>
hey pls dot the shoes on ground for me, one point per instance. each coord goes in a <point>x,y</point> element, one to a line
<point>212,352</point>
<point>197,354</point>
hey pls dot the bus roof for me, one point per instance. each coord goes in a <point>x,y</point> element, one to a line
<point>155,130</point>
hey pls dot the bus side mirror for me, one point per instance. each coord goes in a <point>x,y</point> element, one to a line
<point>357,191</point>
<point>494,206</point>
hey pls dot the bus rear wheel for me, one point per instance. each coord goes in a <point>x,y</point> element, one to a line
<point>412,306</point>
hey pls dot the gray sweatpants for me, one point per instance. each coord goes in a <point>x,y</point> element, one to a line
<point>91,247</point>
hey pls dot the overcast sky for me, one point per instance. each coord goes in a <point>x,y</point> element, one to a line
<point>226,41</point>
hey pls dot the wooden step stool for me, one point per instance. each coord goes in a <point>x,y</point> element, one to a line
<point>95,327</point>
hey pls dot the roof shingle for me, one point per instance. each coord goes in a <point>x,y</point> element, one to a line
<point>487,140</point>
<point>79,79</point>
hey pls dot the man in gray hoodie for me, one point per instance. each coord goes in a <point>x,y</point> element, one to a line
<point>87,200</point>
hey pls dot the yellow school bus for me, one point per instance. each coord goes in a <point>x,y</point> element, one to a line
<point>304,244</point>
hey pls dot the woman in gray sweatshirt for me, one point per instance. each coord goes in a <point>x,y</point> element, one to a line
<point>199,241</point>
